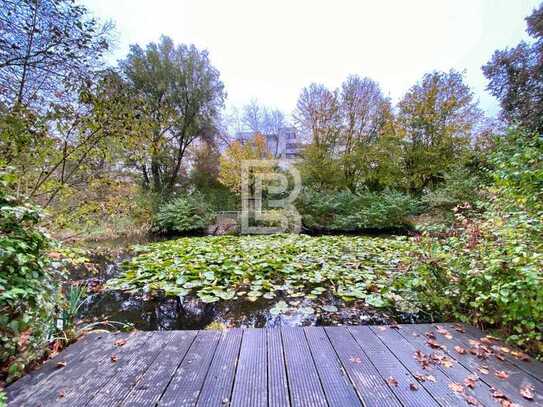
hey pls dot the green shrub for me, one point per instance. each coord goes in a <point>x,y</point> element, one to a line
<point>490,270</point>
<point>345,211</point>
<point>29,293</point>
<point>183,214</point>
<point>459,186</point>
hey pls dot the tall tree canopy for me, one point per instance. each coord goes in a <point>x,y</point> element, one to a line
<point>347,130</point>
<point>46,48</point>
<point>179,96</point>
<point>516,77</point>
<point>437,118</point>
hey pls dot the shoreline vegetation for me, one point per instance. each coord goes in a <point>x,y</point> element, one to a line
<point>111,177</point>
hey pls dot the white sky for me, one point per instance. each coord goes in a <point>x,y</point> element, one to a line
<point>269,50</point>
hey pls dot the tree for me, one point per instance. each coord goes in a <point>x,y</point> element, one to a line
<point>232,159</point>
<point>367,135</point>
<point>47,47</point>
<point>516,78</point>
<point>180,96</point>
<point>437,119</point>
<point>351,133</point>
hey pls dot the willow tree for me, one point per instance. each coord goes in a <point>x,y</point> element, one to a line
<point>179,96</point>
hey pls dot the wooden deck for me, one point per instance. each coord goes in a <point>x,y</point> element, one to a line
<point>337,366</point>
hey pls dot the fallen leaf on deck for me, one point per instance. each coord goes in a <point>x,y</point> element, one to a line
<point>459,328</point>
<point>459,349</point>
<point>61,394</point>
<point>527,392</point>
<point>502,374</point>
<point>470,381</point>
<point>355,359</point>
<point>413,386</point>
<point>499,356</point>
<point>431,378</point>
<point>120,342</point>
<point>522,356</point>
<point>392,381</point>
<point>61,364</point>
<point>394,326</point>
<point>443,332</point>
<point>433,344</point>
<point>483,369</point>
<point>456,387</point>
<point>487,340</point>
<point>472,401</point>
<point>114,358</point>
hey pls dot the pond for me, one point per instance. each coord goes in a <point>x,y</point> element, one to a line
<point>255,281</point>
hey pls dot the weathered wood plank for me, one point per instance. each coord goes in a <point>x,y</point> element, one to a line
<point>125,376</point>
<point>70,355</point>
<point>532,367</point>
<point>86,386</point>
<point>250,385</point>
<point>304,384</point>
<point>481,391</point>
<point>154,381</point>
<point>217,388</point>
<point>404,352</point>
<point>510,387</point>
<point>371,388</point>
<point>277,374</point>
<point>337,387</point>
<point>185,387</point>
<point>389,367</point>
<point>54,388</point>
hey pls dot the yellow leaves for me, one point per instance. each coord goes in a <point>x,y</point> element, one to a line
<point>231,160</point>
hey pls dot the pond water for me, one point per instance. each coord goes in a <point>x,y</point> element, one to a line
<point>158,312</point>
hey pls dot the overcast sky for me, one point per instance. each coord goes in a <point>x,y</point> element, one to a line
<point>269,50</point>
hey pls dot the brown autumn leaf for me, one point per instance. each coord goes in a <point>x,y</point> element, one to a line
<point>521,356</point>
<point>392,381</point>
<point>355,359</point>
<point>60,365</point>
<point>502,374</point>
<point>443,332</point>
<point>446,362</point>
<point>483,369</point>
<point>470,381</point>
<point>431,378</point>
<point>61,394</point>
<point>459,349</point>
<point>456,387</point>
<point>120,342</point>
<point>499,356</point>
<point>433,344</point>
<point>394,326</point>
<point>413,387</point>
<point>430,335</point>
<point>459,328</point>
<point>498,394</point>
<point>114,358</point>
<point>486,340</point>
<point>472,401</point>
<point>527,392</point>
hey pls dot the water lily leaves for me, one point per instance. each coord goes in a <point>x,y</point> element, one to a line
<point>207,298</point>
<point>227,267</point>
<point>375,300</point>
<point>209,275</point>
<point>224,295</point>
<point>253,295</point>
<point>280,308</point>
<point>307,310</point>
